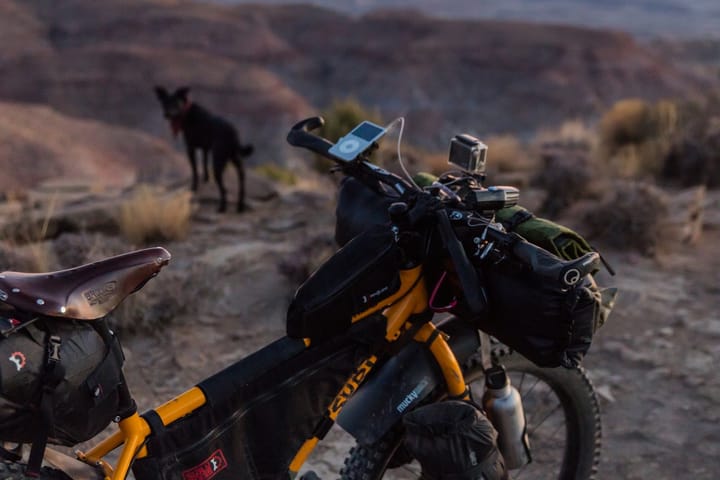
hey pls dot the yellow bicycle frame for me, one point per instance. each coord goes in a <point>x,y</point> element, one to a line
<point>411,298</point>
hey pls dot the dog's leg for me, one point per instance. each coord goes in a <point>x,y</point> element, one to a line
<point>241,183</point>
<point>206,176</point>
<point>193,166</point>
<point>219,162</point>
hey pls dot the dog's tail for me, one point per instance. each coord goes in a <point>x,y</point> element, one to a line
<point>245,150</point>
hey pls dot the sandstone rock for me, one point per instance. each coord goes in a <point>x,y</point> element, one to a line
<point>258,187</point>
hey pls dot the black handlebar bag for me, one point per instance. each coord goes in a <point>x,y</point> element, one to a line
<point>359,209</point>
<point>547,322</point>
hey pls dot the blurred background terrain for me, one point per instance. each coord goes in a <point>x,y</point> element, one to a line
<point>605,114</point>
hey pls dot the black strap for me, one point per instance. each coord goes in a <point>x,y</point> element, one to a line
<point>14,455</point>
<point>518,217</point>
<point>322,428</point>
<point>52,376</point>
<point>154,422</point>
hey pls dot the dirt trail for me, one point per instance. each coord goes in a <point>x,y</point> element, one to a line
<point>655,366</point>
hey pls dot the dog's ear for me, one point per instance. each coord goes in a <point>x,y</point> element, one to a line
<point>183,93</point>
<point>161,93</point>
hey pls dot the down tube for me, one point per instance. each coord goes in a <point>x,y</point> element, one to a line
<point>397,314</point>
<point>403,382</point>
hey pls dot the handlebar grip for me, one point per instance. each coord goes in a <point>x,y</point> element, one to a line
<point>300,136</point>
<point>548,265</point>
<point>308,124</point>
<point>474,292</point>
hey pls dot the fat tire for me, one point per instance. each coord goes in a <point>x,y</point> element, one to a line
<point>582,415</point>
<point>16,471</point>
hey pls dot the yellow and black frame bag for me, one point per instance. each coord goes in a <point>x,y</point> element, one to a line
<point>258,412</point>
<point>357,277</point>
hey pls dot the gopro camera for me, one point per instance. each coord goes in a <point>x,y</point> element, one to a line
<point>357,141</point>
<point>468,153</point>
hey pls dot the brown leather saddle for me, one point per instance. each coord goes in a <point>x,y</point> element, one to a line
<point>87,292</point>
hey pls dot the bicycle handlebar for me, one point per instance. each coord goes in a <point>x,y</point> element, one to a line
<point>537,259</point>
<point>300,136</point>
<point>567,272</point>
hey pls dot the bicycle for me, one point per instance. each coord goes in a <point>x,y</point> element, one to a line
<point>263,416</point>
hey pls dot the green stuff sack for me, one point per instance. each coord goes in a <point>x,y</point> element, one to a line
<point>555,238</point>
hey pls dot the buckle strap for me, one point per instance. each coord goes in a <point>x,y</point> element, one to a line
<point>521,216</point>
<point>53,374</point>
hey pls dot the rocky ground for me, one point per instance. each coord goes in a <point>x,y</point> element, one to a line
<point>652,364</point>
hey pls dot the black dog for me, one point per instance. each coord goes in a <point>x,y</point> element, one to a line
<point>210,134</point>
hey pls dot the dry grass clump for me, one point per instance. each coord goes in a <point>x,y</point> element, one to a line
<point>633,217</point>
<point>31,252</point>
<point>636,136</point>
<point>276,173</point>
<point>152,215</point>
<point>506,154</point>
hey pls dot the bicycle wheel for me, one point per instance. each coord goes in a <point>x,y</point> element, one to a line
<point>563,424</point>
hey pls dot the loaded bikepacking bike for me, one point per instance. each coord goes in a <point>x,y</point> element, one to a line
<point>363,349</point>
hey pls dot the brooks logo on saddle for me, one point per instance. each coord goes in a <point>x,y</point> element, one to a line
<point>98,296</point>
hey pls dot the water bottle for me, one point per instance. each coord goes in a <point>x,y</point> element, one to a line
<point>503,407</point>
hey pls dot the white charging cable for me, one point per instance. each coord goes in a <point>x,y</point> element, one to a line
<point>401,121</point>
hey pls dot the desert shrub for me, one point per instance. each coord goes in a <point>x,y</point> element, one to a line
<point>694,156</point>
<point>574,134</point>
<point>694,162</point>
<point>632,217</point>
<point>635,136</point>
<point>566,174</point>
<point>507,154</point>
<point>73,249</point>
<point>628,121</point>
<point>312,253</point>
<point>435,163</point>
<point>11,258</point>
<point>155,306</point>
<point>276,173</point>
<point>151,215</point>
<point>340,118</point>
<point>414,158</point>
